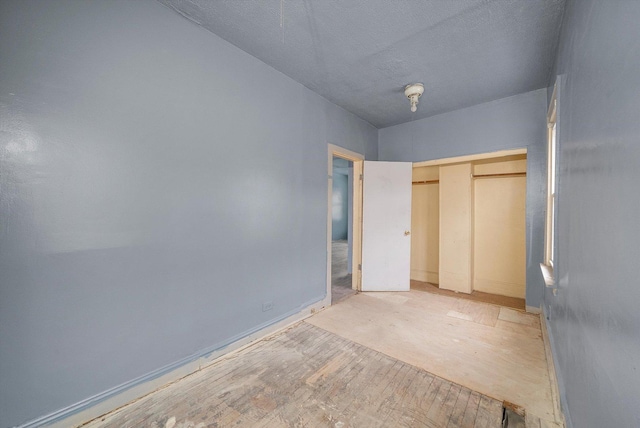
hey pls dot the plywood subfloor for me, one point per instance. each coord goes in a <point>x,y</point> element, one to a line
<point>309,377</point>
<point>476,296</point>
<point>494,350</point>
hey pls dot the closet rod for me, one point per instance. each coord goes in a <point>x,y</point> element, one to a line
<point>425,182</point>
<point>507,174</point>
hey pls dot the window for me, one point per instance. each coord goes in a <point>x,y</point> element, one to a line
<point>549,241</point>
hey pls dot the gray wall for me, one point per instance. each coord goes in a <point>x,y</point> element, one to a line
<point>156,186</point>
<point>594,319</point>
<point>508,123</point>
<point>340,219</point>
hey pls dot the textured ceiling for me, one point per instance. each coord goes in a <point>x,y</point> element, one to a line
<point>360,54</point>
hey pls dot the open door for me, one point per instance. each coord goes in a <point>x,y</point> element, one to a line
<point>386,225</point>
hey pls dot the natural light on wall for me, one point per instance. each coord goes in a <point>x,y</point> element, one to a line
<point>549,249</point>
<point>338,208</point>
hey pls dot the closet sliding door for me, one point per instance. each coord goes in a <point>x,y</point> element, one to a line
<point>499,228</point>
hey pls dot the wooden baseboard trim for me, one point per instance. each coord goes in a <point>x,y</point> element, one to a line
<point>555,394</point>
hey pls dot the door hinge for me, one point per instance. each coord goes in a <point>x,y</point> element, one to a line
<point>360,177</point>
<point>359,267</point>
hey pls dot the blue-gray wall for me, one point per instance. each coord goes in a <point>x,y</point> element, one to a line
<point>157,185</point>
<point>508,123</point>
<point>340,219</point>
<point>595,318</point>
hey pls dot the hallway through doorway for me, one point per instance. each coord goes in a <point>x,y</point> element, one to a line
<point>340,277</point>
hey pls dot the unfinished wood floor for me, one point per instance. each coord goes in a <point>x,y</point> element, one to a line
<point>309,377</point>
<point>494,350</point>
<point>477,296</point>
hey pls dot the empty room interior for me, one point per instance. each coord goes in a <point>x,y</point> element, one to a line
<point>310,213</point>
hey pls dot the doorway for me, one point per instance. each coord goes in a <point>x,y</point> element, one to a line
<point>341,230</point>
<point>344,224</point>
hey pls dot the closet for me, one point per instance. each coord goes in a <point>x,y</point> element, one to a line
<point>468,225</point>
<point>425,224</point>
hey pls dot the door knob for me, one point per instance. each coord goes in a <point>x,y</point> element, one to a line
<point>407,233</point>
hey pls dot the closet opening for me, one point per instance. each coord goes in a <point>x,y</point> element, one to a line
<point>468,222</point>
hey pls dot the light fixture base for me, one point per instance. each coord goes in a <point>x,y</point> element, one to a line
<point>413,92</point>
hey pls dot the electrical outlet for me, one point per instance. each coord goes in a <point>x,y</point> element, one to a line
<point>267,306</point>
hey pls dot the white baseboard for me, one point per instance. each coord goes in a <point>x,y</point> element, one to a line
<point>94,407</point>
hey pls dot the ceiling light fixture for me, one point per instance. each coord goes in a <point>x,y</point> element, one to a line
<point>413,92</point>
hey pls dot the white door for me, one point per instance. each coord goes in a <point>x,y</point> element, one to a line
<point>386,225</point>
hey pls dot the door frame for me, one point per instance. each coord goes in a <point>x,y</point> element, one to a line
<point>356,225</point>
